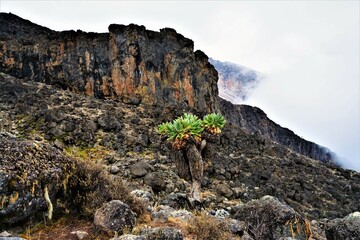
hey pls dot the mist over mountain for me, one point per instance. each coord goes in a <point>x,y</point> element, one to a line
<point>236,82</point>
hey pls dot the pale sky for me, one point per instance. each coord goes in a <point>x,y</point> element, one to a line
<point>307,50</point>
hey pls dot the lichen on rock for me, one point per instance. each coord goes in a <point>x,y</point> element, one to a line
<point>27,168</point>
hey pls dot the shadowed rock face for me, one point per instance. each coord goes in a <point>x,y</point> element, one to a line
<point>255,120</point>
<point>129,62</point>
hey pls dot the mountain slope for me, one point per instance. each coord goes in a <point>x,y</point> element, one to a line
<point>98,97</point>
<point>244,165</point>
<point>130,64</point>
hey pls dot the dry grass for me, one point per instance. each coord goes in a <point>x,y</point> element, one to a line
<point>61,230</point>
<point>91,187</point>
<point>87,190</point>
<point>200,227</point>
<point>205,227</point>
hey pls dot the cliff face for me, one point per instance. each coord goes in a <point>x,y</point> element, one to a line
<point>256,121</point>
<point>129,62</point>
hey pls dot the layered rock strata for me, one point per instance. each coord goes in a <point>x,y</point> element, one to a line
<point>129,62</point>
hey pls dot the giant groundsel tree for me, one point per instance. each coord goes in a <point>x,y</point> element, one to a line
<point>189,135</point>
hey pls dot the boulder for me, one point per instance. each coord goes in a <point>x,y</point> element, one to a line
<point>140,169</point>
<point>5,234</point>
<point>115,216</point>
<point>162,213</point>
<point>268,218</point>
<point>114,169</point>
<point>177,200</point>
<point>80,234</point>
<point>156,180</point>
<point>237,227</point>
<point>146,196</point>
<point>162,233</point>
<point>29,169</point>
<point>129,237</point>
<point>109,122</point>
<point>224,190</point>
<point>221,213</point>
<point>344,228</point>
<point>8,236</point>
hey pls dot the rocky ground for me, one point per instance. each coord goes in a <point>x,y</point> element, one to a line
<point>253,188</point>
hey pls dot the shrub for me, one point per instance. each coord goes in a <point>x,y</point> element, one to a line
<point>91,187</point>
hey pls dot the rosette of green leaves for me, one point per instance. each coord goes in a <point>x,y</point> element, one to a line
<point>182,128</point>
<point>162,128</point>
<point>214,123</point>
<point>185,126</point>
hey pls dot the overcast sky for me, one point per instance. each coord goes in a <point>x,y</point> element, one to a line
<point>308,51</point>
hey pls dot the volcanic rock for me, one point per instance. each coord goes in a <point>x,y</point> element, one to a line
<point>28,169</point>
<point>162,233</point>
<point>129,62</point>
<point>115,216</point>
<point>344,228</point>
<point>267,218</point>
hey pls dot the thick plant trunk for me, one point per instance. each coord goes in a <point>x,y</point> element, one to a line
<point>182,165</point>
<point>207,154</point>
<point>196,169</point>
<point>209,149</point>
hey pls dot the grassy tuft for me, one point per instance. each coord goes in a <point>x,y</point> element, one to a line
<point>204,227</point>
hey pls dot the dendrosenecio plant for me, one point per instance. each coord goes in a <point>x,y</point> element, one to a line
<point>188,134</point>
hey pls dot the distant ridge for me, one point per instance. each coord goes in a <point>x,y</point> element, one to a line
<point>236,82</point>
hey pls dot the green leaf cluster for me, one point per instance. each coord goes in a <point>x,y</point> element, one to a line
<point>182,128</point>
<point>214,122</point>
<point>190,126</point>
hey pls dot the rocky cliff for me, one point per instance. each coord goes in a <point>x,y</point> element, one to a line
<point>135,65</point>
<point>256,121</point>
<point>129,62</point>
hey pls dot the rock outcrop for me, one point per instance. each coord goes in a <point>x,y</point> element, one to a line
<point>129,62</point>
<point>344,228</point>
<point>256,121</point>
<point>267,218</point>
<point>30,173</point>
<point>115,216</point>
